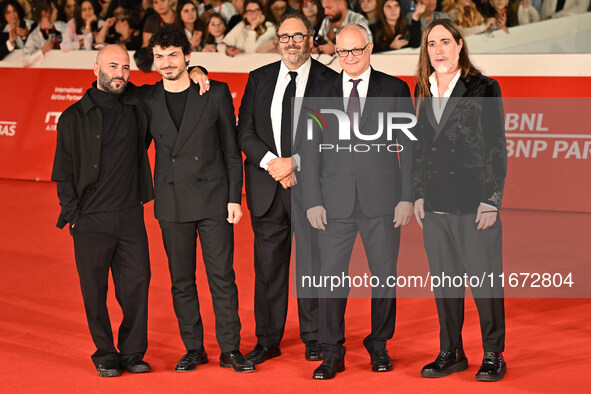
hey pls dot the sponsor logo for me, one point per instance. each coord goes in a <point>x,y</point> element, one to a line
<point>51,119</point>
<point>7,128</point>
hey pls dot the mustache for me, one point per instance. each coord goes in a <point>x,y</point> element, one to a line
<point>287,48</point>
<point>441,58</point>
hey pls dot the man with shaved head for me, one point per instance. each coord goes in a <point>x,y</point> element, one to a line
<point>358,191</point>
<point>103,176</point>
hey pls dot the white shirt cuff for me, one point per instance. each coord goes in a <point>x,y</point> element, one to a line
<point>297,159</point>
<point>490,206</point>
<point>266,159</point>
<point>9,46</point>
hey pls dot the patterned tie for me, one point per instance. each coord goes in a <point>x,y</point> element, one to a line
<point>354,105</point>
<point>286,115</point>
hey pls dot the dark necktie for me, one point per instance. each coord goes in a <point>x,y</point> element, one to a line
<point>354,105</point>
<point>286,115</point>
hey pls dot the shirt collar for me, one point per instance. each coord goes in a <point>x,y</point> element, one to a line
<point>364,76</point>
<point>434,88</point>
<point>302,71</point>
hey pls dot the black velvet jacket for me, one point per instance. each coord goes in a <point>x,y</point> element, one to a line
<point>461,161</point>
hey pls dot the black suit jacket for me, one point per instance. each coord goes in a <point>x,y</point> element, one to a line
<point>462,160</point>
<point>255,132</point>
<point>379,179</point>
<point>198,168</point>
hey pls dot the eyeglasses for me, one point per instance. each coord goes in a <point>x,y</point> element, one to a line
<point>297,38</point>
<point>354,51</point>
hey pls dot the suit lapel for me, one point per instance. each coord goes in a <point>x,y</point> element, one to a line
<point>267,90</point>
<point>374,89</point>
<point>163,118</point>
<point>450,106</point>
<point>194,108</point>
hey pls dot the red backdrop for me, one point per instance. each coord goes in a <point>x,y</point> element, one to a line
<point>548,141</point>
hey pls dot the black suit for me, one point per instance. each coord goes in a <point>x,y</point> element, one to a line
<point>359,192</point>
<point>461,162</point>
<point>274,211</point>
<point>198,172</point>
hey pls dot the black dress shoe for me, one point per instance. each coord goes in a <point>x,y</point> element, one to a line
<point>445,364</point>
<point>109,368</point>
<point>262,353</point>
<point>237,361</point>
<point>313,351</point>
<point>381,361</point>
<point>134,364</point>
<point>493,367</point>
<point>329,368</point>
<point>191,360</point>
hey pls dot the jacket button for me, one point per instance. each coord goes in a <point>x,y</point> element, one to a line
<point>173,160</point>
<point>452,150</point>
<point>451,173</point>
<point>160,136</point>
<point>434,149</point>
<point>196,158</point>
<point>98,137</point>
<point>95,166</point>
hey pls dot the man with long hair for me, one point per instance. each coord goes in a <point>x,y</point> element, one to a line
<point>458,179</point>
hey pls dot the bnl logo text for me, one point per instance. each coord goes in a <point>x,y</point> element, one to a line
<point>386,124</point>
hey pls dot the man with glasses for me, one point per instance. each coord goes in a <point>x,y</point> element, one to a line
<point>351,191</point>
<point>265,136</point>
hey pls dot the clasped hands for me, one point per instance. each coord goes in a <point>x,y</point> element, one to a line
<point>282,170</point>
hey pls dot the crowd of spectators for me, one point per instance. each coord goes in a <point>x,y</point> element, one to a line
<point>248,26</point>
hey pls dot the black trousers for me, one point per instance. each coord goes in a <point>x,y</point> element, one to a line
<point>381,242</point>
<point>455,247</point>
<point>117,241</point>
<point>273,234</point>
<point>217,244</point>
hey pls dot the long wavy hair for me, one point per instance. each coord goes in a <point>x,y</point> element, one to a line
<point>385,33</point>
<point>80,25</point>
<point>424,67</point>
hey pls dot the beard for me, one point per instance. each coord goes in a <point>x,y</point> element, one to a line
<point>171,76</point>
<point>336,17</point>
<point>444,69</point>
<point>106,83</point>
<point>296,59</point>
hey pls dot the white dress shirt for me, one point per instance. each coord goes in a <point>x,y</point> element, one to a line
<point>361,87</point>
<point>283,80</point>
<point>439,108</point>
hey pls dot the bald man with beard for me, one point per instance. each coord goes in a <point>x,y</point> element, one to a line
<point>103,177</point>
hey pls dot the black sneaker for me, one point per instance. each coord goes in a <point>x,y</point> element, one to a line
<point>109,368</point>
<point>134,364</point>
<point>493,367</point>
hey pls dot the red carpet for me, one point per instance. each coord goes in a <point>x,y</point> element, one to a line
<point>45,345</point>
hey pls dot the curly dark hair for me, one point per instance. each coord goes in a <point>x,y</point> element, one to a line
<point>17,7</point>
<point>168,36</point>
